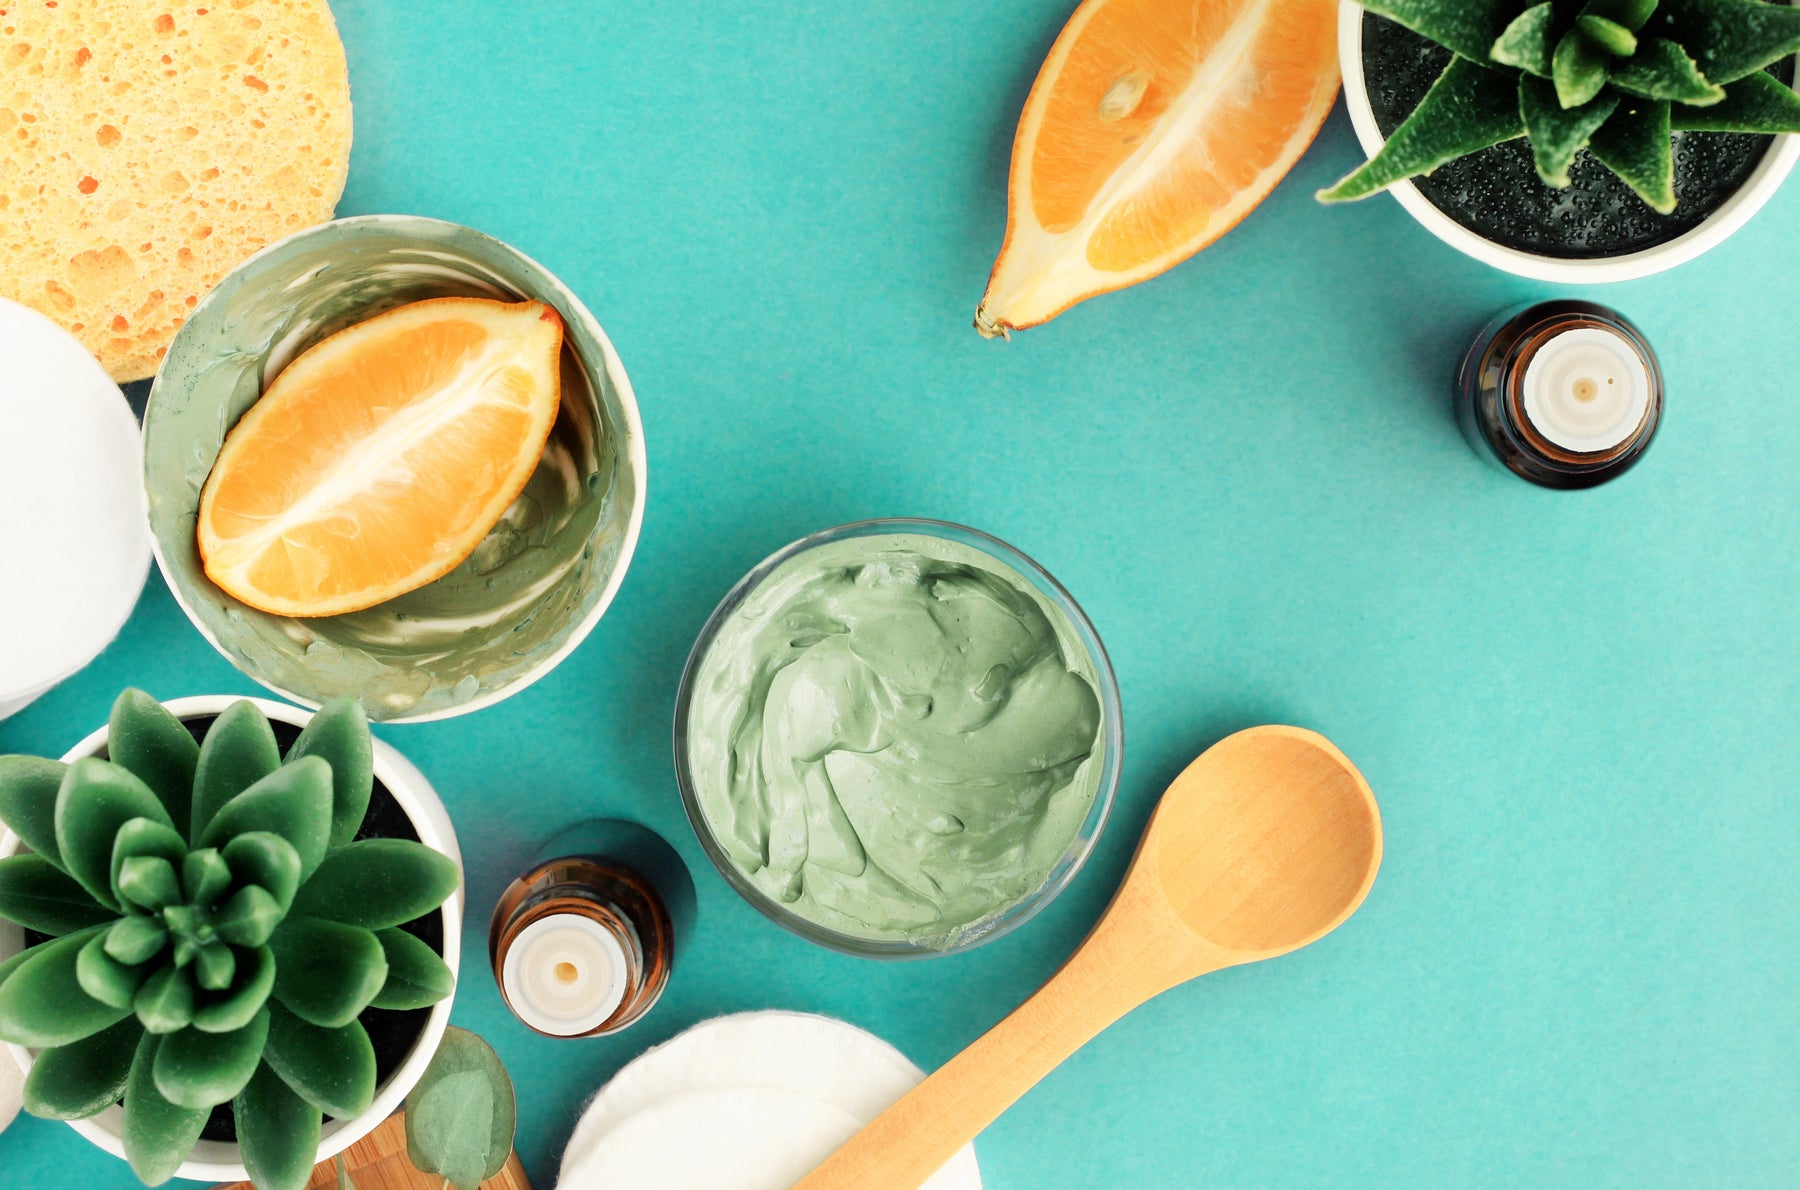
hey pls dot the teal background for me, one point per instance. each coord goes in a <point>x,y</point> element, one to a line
<point>1579,964</point>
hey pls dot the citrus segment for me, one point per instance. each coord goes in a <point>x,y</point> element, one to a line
<point>1153,128</point>
<point>380,458</point>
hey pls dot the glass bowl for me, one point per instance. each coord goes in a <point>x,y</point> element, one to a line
<point>531,591</point>
<point>1009,917</point>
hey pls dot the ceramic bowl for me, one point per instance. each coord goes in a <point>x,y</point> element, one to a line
<point>218,1161</point>
<point>1106,760</point>
<point>1724,222</point>
<point>527,596</point>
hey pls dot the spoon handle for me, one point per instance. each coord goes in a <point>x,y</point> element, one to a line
<point>1110,974</point>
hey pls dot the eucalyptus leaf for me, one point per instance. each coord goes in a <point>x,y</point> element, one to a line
<point>377,883</point>
<point>326,972</point>
<point>339,733</point>
<point>74,1081</point>
<point>278,1132</point>
<point>1469,107</point>
<point>42,1003</point>
<point>95,799</point>
<point>28,787</point>
<point>343,1175</point>
<point>250,988</point>
<point>144,737</point>
<point>40,896</point>
<point>267,861</point>
<point>239,750</point>
<point>332,1069</point>
<point>201,1070</point>
<point>293,802</point>
<point>417,977</point>
<point>461,1115</point>
<point>158,1135</point>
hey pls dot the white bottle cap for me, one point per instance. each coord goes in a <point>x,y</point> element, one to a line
<point>1587,390</point>
<point>565,974</point>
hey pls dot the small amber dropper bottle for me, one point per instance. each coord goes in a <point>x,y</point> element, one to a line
<point>1565,394</point>
<point>584,941</point>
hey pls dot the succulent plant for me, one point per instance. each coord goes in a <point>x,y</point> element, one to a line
<point>1615,77</point>
<point>215,930</point>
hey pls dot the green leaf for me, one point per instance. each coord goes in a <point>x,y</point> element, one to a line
<point>378,883</point>
<point>105,978</point>
<point>249,917</point>
<point>166,1001</point>
<point>1578,69</point>
<point>250,989</point>
<point>1610,36</point>
<point>1635,145</point>
<point>460,1118</point>
<point>1630,13</point>
<point>158,1135</point>
<point>294,802</point>
<point>199,1069</point>
<point>1526,42</point>
<point>326,972</point>
<point>144,737</point>
<point>339,733</point>
<point>343,1175</point>
<point>417,977</point>
<point>204,877</point>
<point>215,967</point>
<point>1755,103</point>
<point>1662,70</point>
<point>1466,27</point>
<point>267,861</point>
<point>239,751</point>
<point>143,838</point>
<point>1467,109</point>
<point>150,882</point>
<point>74,1081</point>
<point>97,798</point>
<point>40,896</point>
<point>277,1130</point>
<point>28,787</point>
<point>136,939</point>
<point>1732,39</point>
<point>42,1004</point>
<point>332,1069</point>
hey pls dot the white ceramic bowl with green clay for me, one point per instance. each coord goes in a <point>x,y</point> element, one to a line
<point>530,592</point>
<point>898,738</point>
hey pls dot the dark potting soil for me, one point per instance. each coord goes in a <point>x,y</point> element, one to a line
<point>392,1033</point>
<point>1498,195</point>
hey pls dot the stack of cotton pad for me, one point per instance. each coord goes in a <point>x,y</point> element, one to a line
<point>74,542</point>
<point>747,1102</point>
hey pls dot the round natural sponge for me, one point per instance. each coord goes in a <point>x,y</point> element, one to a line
<point>146,150</point>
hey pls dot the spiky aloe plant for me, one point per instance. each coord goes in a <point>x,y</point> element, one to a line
<point>1615,77</point>
<point>215,931</point>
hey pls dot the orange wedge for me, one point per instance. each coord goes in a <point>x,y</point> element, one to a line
<point>1153,128</point>
<point>381,457</point>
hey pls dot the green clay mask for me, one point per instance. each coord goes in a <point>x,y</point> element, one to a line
<point>534,585</point>
<point>895,737</point>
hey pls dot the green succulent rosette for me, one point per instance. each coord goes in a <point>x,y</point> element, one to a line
<point>215,930</point>
<point>1614,77</point>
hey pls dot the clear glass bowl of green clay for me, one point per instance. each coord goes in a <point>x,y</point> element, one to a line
<point>534,587</point>
<point>699,762</point>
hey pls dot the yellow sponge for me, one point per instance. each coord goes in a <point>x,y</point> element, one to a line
<point>146,150</point>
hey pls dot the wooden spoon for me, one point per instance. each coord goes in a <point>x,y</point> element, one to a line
<point>1265,843</point>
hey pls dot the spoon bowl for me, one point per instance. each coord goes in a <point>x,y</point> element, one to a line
<point>1267,842</point>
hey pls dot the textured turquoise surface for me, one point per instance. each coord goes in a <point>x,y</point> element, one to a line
<point>1578,966</point>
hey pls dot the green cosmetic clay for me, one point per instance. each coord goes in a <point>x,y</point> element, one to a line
<point>895,737</point>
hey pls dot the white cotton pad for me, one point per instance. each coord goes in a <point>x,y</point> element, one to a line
<point>748,1067</point>
<point>74,541</point>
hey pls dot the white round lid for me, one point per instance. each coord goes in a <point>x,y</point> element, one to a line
<point>565,974</point>
<point>1587,390</point>
<point>74,538</point>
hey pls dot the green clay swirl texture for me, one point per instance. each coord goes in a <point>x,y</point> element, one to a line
<point>531,587</point>
<point>896,737</point>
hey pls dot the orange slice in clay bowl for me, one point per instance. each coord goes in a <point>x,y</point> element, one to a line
<point>1153,128</point>
<point>379,459</point>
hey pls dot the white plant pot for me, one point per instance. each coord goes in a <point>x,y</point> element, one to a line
<point>1718,227</point>
<point>213,1161</point>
